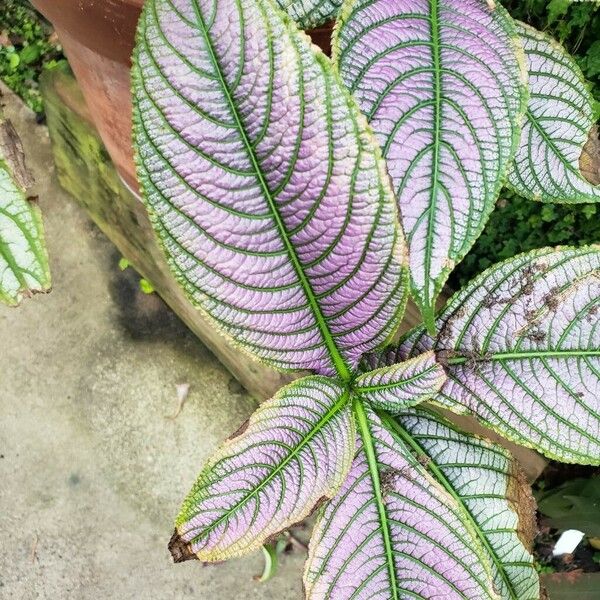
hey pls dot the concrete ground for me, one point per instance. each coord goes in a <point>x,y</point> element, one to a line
<point>92,469</point>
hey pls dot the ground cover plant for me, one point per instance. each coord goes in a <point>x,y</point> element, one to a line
<point>28,46</point>
<point>299,200</point>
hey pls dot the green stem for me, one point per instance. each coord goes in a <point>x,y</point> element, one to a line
<point>369,448</point>
<point>459,360</point>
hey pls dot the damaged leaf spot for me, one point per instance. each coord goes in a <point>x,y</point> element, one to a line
<point>521,500</point>
<point>589,161</point>
<point>179,549</point>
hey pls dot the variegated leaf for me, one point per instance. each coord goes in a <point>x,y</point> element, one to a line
<point>559,118</point>
<point>486,481</point>
<point>522,347</point>
<point>404,384</point>
<point>24,267</point>
<point>442,86</point>
<point>393,532</point>
<point>264,185</point>
<point>296,450</point>
<point>310,13</point>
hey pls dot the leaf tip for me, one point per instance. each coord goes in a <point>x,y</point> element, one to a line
<point>180,550</point>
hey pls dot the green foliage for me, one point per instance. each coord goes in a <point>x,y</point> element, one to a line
<point>26,49</point>
<point>146,286</point>
<point>573,505</point>
<point>518,225</point>
<point>123,263</point>
<point>271,553</point>
<point>544,568</point>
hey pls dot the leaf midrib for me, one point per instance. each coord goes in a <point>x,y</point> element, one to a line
<point>360,389</point>
<point>369,447</point>
<point>322,422</point>
<point>499,356</point>
<point>406,437</point>
<point>336,358</point>
<point>428,309</point>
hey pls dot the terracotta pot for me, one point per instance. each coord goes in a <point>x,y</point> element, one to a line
<point>98,37</point>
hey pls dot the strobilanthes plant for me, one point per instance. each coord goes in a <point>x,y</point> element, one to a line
<point>299,200</point>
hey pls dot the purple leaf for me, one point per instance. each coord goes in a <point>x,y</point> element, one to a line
<point>401,385</point>
<point>441,84</point>
<point>559,117</point>
<point>296,450</point>
<point>491,489</point>
<point>522,347</point>
<point>393,532</point>
<point>264,184</point>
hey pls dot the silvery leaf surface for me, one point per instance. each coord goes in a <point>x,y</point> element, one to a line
<point>559,118</point>
<point>295,451</point>
<point>441,83</point>
<point>393,532</point>
<point>310,13</point>
<point>521,345</point>
<point>404,384</point>
<point>491,489</point>
<point>264,184</point>
<point>24,267</point>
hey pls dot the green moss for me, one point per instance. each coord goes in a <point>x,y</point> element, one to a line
<point>27,48</point>
<point>518,224</point>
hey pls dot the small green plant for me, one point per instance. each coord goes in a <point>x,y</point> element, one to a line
<point>123,263</point>
<point>27,47</point>
<point>146,287</point>
<point>544,568</point>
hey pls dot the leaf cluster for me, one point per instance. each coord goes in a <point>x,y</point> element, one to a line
<point>277,181</point>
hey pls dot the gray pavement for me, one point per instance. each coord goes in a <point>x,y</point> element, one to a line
<point>92,469</point>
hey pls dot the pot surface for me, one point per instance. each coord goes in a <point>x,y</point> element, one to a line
<point>104,26</point>
<point>98,37</point>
